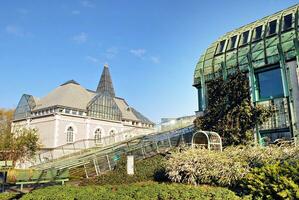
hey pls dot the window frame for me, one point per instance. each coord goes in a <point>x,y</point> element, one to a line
<point>70,135</point>
<point>242,43</point>
<point>254,31</point>
<point>230,47</point>
<point>257,79</point>
<point>98,136</point>
<point>283,22</point>
<point>218,50</point>
<point>269,27</point>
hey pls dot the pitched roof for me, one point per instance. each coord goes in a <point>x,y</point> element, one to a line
<point>125,109</point>
<point>69,94</point>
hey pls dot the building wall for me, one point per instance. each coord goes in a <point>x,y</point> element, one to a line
<point>52,129</point>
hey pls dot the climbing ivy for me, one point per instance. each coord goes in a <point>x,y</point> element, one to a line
<point>230,111</point>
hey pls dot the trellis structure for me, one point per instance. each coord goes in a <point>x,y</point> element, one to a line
<point>208,139</point>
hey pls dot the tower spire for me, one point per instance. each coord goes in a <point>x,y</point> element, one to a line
<point>105,85</point>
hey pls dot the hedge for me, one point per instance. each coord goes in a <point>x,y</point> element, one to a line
<point>141,191</point>
<point>227,168</point>
<point>150,169</point>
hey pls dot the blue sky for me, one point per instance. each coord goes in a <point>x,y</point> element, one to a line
<point>151,46</point>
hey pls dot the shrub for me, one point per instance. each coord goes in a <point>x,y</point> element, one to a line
<point>229,110</point>
<point>277,181</point>
<point>144,191</point>
<point>200,166</point>
<point>150,169</point>
<point>6,196</point>
<point>227,168</point>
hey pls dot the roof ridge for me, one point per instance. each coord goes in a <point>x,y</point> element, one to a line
<point>72,81</point>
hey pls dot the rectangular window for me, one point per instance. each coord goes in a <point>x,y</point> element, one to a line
<point>270,84</point>
<point>245,37</point>
<point>68,111</point>
<point>220,47</point>
<point>258,33</point>
<point>232,42</point>
<point>272,27</point>
<point>287,22</point>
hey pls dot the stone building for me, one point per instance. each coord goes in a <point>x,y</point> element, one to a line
<point>72,113</point>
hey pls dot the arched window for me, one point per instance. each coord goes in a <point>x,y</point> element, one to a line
<point>112,136</point>
<point>97,136</point>
<point>70,135</point>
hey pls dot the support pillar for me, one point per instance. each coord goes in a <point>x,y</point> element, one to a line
<point>253,87</point>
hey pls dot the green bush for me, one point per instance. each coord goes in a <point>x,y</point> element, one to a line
<point>277,181</point>
<point>7,196</point>
<point>227,168</point>
<point>144,191</point>
<point>150,169</point>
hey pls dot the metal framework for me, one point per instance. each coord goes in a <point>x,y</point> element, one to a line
<point>207,139</point>
<point>271,42</point>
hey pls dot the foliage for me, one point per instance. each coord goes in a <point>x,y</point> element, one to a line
<point>142,191</point>
<point>227,168</point>
<point>277,181</point>
<point>150,169</point>
<point>230,112</point>
<point>20,144</point>
<point>6,196</point>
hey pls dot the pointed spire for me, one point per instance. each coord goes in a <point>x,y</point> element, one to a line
<point>105,85</point>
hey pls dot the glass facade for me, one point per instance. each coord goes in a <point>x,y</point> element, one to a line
<point>104,107</point>
<point>270,84</point>
<point>265,48</point>
<point>24,107</point>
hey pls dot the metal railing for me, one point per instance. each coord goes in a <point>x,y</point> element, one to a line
<point>280,117</point>
<point>86,146</point>
<point>96,164</point>
<point>80,147</point>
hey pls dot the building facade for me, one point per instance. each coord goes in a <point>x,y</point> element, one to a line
<point>71,113</point>
<point>268,51</point>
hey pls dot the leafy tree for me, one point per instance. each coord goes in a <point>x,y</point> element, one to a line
<point>20,144</point>
<point>230,111</point>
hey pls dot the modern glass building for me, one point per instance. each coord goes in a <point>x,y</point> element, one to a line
<point>268,51</point>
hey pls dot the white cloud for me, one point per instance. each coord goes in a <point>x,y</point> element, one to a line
<point>87,4</point>
<point>138,52</point>
<point>92,59</point>
<point>76,12</point>
<point>111,52</point>
<point>15,30</point>
<point>155,59</point>
<point>80,38</point>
